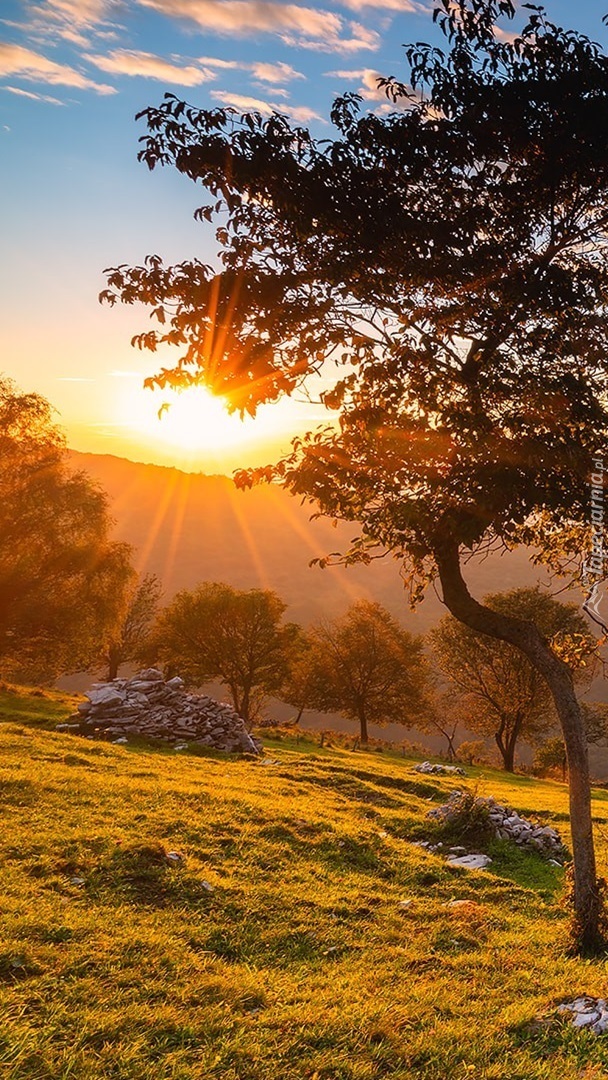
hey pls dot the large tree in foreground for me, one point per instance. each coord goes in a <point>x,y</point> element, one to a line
<point>502,694</point>
<point>452,256</point>
<point>62,579</point>
<point>367,667</point>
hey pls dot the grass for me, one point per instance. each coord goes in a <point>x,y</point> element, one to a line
<point>275,949</point>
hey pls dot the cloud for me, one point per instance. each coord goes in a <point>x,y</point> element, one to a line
<point>276,74</point>
<point>26,64</point>
<point>250,104</point>
<point>407,6</point>
<point>68,20</point>
<point>363,39</point>
<point>296,25</point>
<point>369,82</point>
<point>34,97</point>
<point>148,66</point>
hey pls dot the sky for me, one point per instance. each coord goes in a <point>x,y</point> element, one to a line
<point>73,73</point>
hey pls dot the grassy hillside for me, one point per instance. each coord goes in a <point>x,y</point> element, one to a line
<point>276,949</point>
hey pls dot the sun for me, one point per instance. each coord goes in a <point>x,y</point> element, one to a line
<point>192,421</point>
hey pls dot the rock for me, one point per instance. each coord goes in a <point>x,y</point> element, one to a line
<point>146,705</point>
<point>106,695</point>
<point>587,1012</point>
<point>174,857</point>
<point>470,862</point>
<point>435,769</point>
<point>121,741</point>
<point>509,825</point>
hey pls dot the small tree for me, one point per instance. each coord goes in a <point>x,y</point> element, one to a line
<point>442,716</point>
<point>133,633</point>
<point>504,694</point>
<point>300,675</point>
<point>365,666</point>
<point>234,636</point>
<point>551,754</point>
<point>62,579</point>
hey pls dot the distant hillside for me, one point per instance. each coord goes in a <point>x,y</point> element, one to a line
<point>189,528</point>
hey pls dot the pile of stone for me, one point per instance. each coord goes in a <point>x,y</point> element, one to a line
<point>587,1012</point>
<point>150,706</point>
<point>509,825</point>
<point>431,769</point>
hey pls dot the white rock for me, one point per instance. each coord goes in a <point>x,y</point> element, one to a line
<point>470,862</point>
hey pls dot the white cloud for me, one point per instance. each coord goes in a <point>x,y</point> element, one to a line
<point>68,20</point>
<point>250,104</point>
<point>406,6</point>
<point>148,66</point>
<point>368,79</point>
<point>276,74</point>
<point>34,97</point>
<point>363,39</point>
<point>303,26</point>
<point>33,66</point>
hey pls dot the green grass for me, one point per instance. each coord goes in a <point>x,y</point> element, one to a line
<point>298,963</point>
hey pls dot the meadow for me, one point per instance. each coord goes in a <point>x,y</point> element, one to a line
<point>301,933</point>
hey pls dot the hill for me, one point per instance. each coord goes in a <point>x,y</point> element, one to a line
<point>300,934</point>
<point>188,527</point>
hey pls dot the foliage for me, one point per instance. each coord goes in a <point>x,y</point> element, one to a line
<point>443,716</point>
<point>502,694</point>
<point>133,634</point>
<point>550,756</point>
<point>551,753</point>
<point>365,666</point>
<point>472,752</point>
<point>235,636</point>
<point>62,579</point>
<point>467,821</point>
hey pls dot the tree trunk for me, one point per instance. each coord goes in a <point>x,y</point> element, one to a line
<point>507,748</point>
<point>526,637</point>
<point>113,663</point>
<point>507,752</point>
<point>363,727</point>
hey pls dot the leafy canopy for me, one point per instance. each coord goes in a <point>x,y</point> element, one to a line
<point>502,693</point>
<point>447,261</point>
<point>365,666</point>
<point>232,635</point>
<point>62,579</point>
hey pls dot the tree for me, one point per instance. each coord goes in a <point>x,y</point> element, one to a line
<point>551,753</point>
<point>299,683</point>
<point>506,696</point>
<point>452,257</point>
<point>62,580</point>
<point>365,666</point>
<point>235,636</point>
<point>133,634</point>
<point>442,716</point>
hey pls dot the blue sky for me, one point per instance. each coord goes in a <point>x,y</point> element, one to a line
<point>73,73</point>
